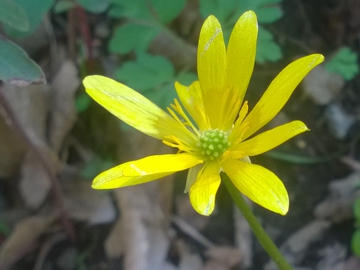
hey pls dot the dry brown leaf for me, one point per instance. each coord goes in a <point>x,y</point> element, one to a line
<point>338,205</point>
<point>34,184</point>
<point>62,98</point>
<point>86,204</point>
<point>243,237</point>
<point>190,262</point>
<point>25,233</point>
<point>226,257</point>
<point>12,149</point>
<point>297,244</point>
<point>30,107</point>
<point>186,212</point>
<point>114,244</point>
<point>352,263</point>
<point>144,213</point>
<point>322,86</point>
<point>332,257</point>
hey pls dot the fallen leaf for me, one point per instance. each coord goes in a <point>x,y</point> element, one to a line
<point>24,234</point>
<point>338,206</point>
<point>295,247</point>
<point>62,98</point>
<point>34,183</point>
<point>223,257</point>
<point>86,204</point>
<point>322,86</point>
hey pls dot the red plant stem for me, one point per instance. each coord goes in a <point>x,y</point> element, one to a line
<point>55,185</point>
<point>85,30</point>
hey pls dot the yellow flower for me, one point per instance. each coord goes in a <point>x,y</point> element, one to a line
<point>217,137</point>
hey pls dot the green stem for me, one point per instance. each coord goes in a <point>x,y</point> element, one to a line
<point>259,232</point>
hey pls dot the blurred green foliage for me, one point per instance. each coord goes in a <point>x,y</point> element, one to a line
<point>34,11</point>
<point>16,67</point>
<point>146,19</point>
<point>154,77</point>
<point>355,241</point>
<point>13,15</point>
<point>20,18</point>
<point>344,63</point>
<point>96,166</point>
<point>94,6</point>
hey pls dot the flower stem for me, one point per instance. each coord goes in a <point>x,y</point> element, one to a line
<point>259,232</point>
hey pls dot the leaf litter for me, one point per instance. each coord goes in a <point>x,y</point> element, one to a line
<point>151,226</point>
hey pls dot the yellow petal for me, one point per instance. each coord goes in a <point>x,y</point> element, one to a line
<point>191,177</point>
<point>203,191</point>
<point>269,139</point>
<point>143,170</point>
<point>279,92</point>
<point>161,164</point>
<point>241,53</point>
<point>132,108</point>
<point>191,98</point>
<point>211,66</point>
<point>258,184</point>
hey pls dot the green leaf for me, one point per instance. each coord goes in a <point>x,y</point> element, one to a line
<point>132,36</point>
<point>82,102</point>
<point>4,228</point>
<point>135,9</point>
<point>355,243</point>
<point>267,49</point>
<point>356,209</point>
<point>35,10</point>
<point>146,20</point>
<point>96,166</point>
<point>63,6</point>
<point>147,72</point>
<point>344,63</point>
<point>16,67</point>
<point>154,77</point>
<point>94,6</point>
<point>168,10</point>
<point>13,15</point>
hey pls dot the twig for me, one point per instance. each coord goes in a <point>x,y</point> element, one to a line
<point>192,232</point>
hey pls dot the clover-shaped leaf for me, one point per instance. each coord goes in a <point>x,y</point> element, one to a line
<point>344,63</point>
<point>146,20</point>
<point>13,15</point>
<point>267,49</point>
<point>16,67</point>
<point>154,77</point>
<point>35,10</point>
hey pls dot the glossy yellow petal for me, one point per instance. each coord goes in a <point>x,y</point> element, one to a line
<point>133,108</point>
<point>143,170</point>
<point>269,139</point>
<point>161,164</point>
<point>113,178</point>
<point>279,92</point>
<point>191,176</point>
<point>191,98</point>
<point>258,184</point>
<point>241,53</point>
<point>203,191</point>
<point>211,66</point>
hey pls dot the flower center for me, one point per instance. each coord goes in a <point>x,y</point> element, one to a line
<point>213,143</point>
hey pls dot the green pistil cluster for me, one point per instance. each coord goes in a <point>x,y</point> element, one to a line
<point>213,143</point>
